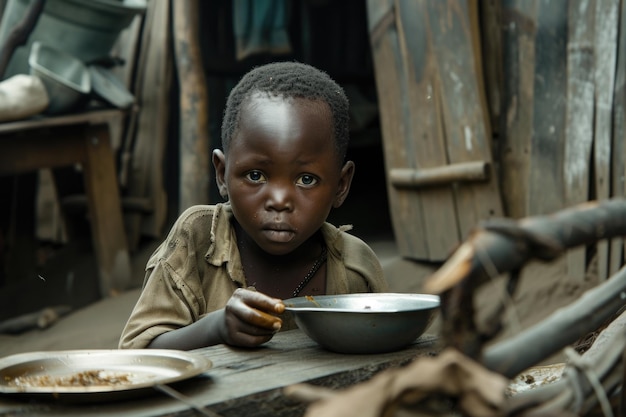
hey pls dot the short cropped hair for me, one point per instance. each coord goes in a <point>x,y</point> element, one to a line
<point>289,79</point>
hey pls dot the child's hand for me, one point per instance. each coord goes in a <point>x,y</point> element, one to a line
<point>249,318</point>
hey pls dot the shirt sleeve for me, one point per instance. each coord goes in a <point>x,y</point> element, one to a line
<point>171,296</point>
<point>161,307</point>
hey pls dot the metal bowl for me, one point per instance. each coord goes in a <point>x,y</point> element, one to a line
<point>364,323</point>
<point>65,77</point>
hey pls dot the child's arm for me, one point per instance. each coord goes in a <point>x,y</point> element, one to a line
<point>247,320</point>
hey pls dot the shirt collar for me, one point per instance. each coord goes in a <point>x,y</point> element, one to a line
<point>227,251</point>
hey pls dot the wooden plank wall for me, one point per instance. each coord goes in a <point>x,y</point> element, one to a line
<point>605,48</point>
<point>579,117</point>
<point>194,141</point>
<point>153,93</point>
<point>618,150</point>
<point>562,129</point>
<point>515,127</point>
<point>148,74</point>
<point>547,81</point>
<point>435,122</point>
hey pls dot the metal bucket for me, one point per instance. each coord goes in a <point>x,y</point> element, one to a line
<point>86,29</point>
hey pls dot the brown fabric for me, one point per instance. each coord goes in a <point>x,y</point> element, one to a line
<point>480,393</point>
<point>198,267</point>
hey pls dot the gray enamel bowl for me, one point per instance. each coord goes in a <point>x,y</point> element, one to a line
<point>364,323</point>
<point>65,77</point>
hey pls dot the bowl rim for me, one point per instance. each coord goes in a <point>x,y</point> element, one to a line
<point>33,60</point>
<point>426,297</point>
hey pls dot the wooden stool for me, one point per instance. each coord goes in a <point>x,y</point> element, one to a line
<point>52,142</point>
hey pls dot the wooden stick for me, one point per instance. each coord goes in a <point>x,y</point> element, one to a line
<point>564,327</point>
<point>194,125</point>
<point>502,245</point>
<point>460,172</point>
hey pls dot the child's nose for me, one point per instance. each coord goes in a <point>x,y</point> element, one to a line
<point>279,198</point>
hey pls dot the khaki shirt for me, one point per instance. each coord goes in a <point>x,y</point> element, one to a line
<point>198,267</point>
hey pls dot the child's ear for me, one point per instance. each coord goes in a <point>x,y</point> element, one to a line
<point>219,162</point>
<point>347,173</point>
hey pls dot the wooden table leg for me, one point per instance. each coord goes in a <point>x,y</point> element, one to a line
<point>78,139</point>
<point>107,227</point>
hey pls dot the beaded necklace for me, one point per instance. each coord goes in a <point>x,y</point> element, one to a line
<point>316,266</point>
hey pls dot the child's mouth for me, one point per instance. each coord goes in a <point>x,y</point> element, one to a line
<point>279,235</point>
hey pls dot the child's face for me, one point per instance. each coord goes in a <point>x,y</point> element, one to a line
<point>281,173</point>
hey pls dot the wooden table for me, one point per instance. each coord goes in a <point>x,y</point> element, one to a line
<point>83,138</point>
<point>246,381</point>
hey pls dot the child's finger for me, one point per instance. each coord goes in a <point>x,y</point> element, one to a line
<point>256,308</point>
<point>261,301</point>
<point>262,319</point>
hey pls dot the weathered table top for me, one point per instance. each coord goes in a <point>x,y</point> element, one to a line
<point>88,117</point>
<point>244,381</point>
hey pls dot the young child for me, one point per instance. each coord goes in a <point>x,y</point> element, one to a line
<point>222,272</point>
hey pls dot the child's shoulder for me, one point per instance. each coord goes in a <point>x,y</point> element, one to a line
<point>195,227</point>
<point>201,219</point>
<point>203,212</point>
<point>358,258</point>
<point>352,247</point>
<point>200,210</point>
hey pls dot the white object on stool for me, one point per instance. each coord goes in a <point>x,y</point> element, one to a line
<point>22,96</point>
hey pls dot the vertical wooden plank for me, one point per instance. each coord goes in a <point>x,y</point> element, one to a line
<point>453,26</point>
<point>545,191</point>
<point>153,124</point>
<point>133,220</point>
<point>491,41</point>
<point>126,48</point>
<point>135,83</point>
<point>579,116</point>
<point>426,141</point>
<point>519,23</point>
<point>618,149</point>
<point>194,124</point>
<point>429,82</point>
<point>391,86</point>
<point>605,52</point>
<point>146,177</point>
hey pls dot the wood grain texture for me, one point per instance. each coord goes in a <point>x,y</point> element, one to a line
<point>249,381</point>
<point>579,118</point>
<point>428,68</point>
<point>605,48</point>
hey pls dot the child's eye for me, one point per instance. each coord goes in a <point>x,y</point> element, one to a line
<point>255,176</point>
<point>307,180</point>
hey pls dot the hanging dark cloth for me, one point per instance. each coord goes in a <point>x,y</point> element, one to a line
<point>261,26</point>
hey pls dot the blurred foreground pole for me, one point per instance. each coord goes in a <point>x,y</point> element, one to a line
<point>194,126</point>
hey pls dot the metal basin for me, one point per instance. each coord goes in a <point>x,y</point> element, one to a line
<point>86,29</point>
<point>364,323</point>
<point>65,77</point>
